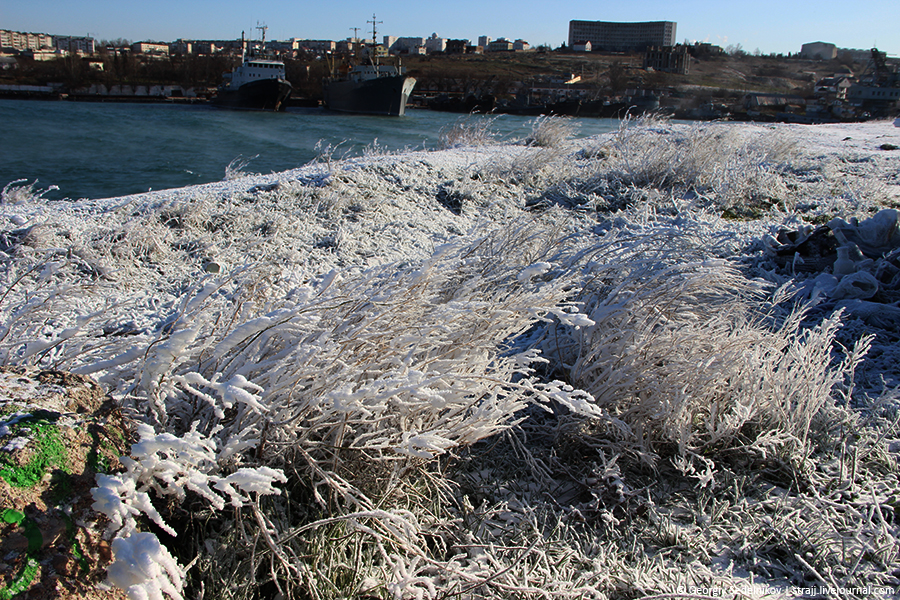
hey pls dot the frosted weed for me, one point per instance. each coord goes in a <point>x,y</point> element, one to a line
<point>21,194</point>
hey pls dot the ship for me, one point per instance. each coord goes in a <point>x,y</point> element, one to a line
<point>258,83</point>
<point>371,89</point>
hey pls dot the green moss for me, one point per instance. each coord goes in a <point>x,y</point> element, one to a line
<point>48,451</point>
<point>22,581</point>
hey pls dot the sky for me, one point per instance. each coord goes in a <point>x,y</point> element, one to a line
<point>768,25</point>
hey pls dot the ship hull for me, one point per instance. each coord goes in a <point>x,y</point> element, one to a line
<point>378,96</point>
<point>265,94</point>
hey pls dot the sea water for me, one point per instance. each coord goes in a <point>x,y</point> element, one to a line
<point>101,150</point>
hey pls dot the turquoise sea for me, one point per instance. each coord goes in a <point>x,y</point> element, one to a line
<point>100,150</point>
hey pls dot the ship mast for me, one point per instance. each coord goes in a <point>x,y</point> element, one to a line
<point>262,28</point>
<point>374,38</point>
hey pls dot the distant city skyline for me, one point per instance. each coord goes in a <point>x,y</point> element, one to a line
<point>766,25</point>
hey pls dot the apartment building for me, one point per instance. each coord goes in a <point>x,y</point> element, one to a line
<point>19,40</point>
<point>622,37</point>
<point>74,45</point>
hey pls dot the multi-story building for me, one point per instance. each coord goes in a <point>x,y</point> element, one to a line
<point>484,40</point>
<point>74,45</point>
<point>19,40</point>
<point>317,46</point>
<point>622,37</point>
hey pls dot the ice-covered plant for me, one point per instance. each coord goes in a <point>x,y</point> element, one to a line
<point>679,356</point>
<point>166,465</point>
<point>473,130</point>
<point>144,568</point>
<point>13,193</point>
<point>551,131</point>
<point>235,169</point>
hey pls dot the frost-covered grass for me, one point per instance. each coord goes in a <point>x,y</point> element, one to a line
<point>549,368</point>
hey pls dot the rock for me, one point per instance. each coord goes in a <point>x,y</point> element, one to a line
<point>66,430</point>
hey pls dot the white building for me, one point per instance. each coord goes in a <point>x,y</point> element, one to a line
<point>408,45</point>
<point>150,48</point>
<point>484,40</point>
<point>435,44</point>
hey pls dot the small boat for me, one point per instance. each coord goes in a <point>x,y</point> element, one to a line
<point>371,89</point>
<point>258,83</point>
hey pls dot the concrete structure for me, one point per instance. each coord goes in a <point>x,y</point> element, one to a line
<point>705,49</point>
<point>317,46</point>
<point>756,101</point>
<point>670,59</point>
<point>818,51</point>
<point>484,40</point>
<point>521,45</point>
<point>854,54</point>
<point>622,37</point>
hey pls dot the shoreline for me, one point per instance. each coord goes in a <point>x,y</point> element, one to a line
<point>792,118</point>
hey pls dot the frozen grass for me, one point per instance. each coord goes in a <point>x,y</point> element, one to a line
<point>555,369</point>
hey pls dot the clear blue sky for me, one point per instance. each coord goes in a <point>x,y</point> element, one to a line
<point>772,26</point>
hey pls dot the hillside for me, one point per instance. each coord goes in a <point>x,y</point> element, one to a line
<point>493,73</point>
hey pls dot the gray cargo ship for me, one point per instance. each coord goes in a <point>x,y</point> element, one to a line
<point>370,89</point>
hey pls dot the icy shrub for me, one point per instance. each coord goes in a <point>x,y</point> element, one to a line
<point>723,164</point>
<point>235,169</point>
<point>472,130</point>
<point>22,194</point>
<point>550,131</point>
<point>677,356</point>
<point>349,382</point>
<point>144,568</point>
<point>168,466</point>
